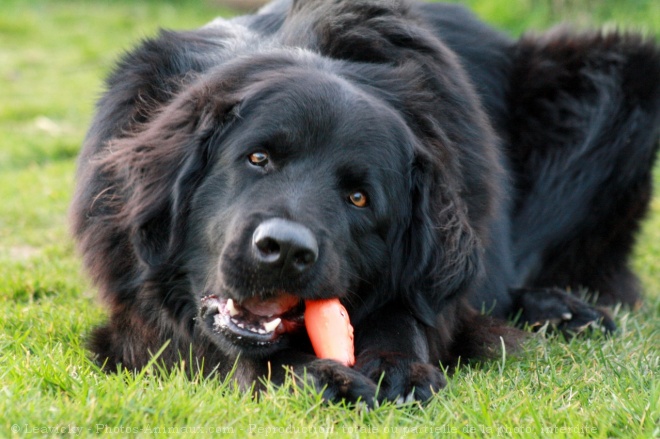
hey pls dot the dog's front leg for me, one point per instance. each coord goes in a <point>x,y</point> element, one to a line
<point>333,380</point>
<point>392,349</point>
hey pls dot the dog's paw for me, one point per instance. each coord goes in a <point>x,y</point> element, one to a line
<point>561,311</point>
<point>402,380</point>
<point>337,382</point>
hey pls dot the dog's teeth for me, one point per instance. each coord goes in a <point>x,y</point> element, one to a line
<point>261,331</point>
<point>272,325</point>
<point>231,308</point>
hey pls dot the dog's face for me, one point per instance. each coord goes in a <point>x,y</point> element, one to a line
<point>309,184</point>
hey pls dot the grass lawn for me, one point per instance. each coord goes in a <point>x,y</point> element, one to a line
<point>53,56</point>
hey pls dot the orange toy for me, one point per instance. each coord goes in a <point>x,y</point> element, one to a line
<point>330,330</point>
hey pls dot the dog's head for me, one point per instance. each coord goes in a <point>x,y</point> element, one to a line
<point>309,178</point>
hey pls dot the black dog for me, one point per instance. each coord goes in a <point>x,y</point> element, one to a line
<point>403,157</point>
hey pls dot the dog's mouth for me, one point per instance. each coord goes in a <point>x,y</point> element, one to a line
<point>255,322</point>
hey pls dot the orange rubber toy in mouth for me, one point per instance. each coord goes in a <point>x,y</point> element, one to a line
<point>330,331</point>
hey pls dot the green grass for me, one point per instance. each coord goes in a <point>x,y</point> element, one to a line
<point>53,56</point>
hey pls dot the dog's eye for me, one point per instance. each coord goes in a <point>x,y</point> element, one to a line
<point>358,199</point>
<point>258,158</point>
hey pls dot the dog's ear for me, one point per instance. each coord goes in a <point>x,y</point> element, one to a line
<point>157,169</point>
<point>441,254</point>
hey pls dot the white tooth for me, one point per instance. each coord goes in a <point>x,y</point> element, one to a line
<point>272,325</point>
<point>240,325</point>
<point>231,308</point>
<point>261,331</point>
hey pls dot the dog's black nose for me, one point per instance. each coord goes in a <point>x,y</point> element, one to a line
<point>285,245</point>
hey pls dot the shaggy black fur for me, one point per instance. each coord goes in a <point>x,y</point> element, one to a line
<point>403,157</point>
